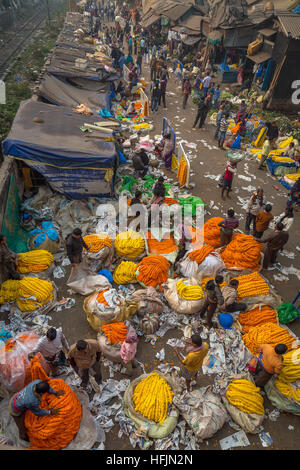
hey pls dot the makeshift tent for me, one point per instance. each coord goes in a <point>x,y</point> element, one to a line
<point>61,93</point>
<point>56,147</point>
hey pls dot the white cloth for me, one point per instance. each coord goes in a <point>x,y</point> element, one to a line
<point>51,348</point>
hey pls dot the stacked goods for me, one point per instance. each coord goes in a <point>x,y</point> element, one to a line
<point>129,244</point>
<point>15,370</point>
<point>252,285</point>
<point>34,261</point>
<point>245,396</point>
<point>212,232</point>
<point>151,398</point>
<point>242,252</point>
<point>115,332</point>
<point>34,293</point>
<point>98,242</point>
<point>153,270</point>
<point>125,272</point>
<point>269,333</point>
<point>9,291</point>
<point>257,316</point>
<point>53,432</point>
<point>182,171</point>
<point>200,255</point>
<point>163,247</point>
<point>149,324</point>
<point>282,159</point>
<point>189,292</point>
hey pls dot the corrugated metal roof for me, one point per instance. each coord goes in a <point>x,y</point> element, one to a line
<point>290,25</point>
<point>177,11</point>
<point>259,57</point>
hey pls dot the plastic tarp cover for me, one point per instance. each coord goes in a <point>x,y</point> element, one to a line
<point>11,228</point>
<point>84,281</point>
<point>61,93</point>
<point>63,144</point>
<point>280,401</point>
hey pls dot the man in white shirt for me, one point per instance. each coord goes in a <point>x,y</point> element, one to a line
<point>51,347</point>
<point>256,203</point>
<point>206,82</point>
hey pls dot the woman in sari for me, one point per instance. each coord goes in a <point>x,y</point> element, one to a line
<point>167,151</point>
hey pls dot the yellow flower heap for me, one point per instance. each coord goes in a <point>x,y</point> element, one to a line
<point>189,292</point>
<point>290,373</point>
<point>245,396</point>
<point>98,242</point>
<point>151,398</point>
<point>9,291</point>
<point>125,272</point>
<point>33,293</point>
<point>34,261</point>
<point>182,172</point>
<point>129,244</point>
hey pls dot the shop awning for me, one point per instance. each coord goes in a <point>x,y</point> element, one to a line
<point>259,57</point>
<point>215,36</point>
<point>191,40</point>
<point>151,20</point>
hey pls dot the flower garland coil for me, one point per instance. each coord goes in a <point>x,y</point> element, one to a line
<point>189,292</point>
<point>153,270</point>
<point>245,396</point>
<point>200,255</point>
<point>212,232</point>
<point>243,252</point>
<point>115,332</point>
<point>252,285</point>
<point>125,272</point>
<point>34,293</point>
<point>34,261</point>
<point>257,316</point>
<point>129,244</point>
<point>9,291</point>
<point>151,398</point>
<point>182,172</point>
<point>268,333</point>
<point>98,242</point>
<point>163,247</point>
<point>53,432</point>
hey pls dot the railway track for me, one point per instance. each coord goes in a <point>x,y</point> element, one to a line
<point>17,40</point>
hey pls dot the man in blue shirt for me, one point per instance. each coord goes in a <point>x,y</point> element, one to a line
<point>29,399</point>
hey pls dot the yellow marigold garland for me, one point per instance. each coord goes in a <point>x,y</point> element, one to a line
<point>9,291</point>
<point>182,171</point>
<point>98,242</point>
<point>34,261</point>
<point>129,244</point>
<point>189,292</point>
<point>40,290</point>
<point>125,272</point>
<point>245,396</point>
<point>151,398</point>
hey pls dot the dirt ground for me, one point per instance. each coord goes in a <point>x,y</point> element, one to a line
<point>75,325</point>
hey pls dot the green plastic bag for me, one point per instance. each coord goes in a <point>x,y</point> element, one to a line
<point>128,183</point>
<point>189,205</point>
<point>287,313</point>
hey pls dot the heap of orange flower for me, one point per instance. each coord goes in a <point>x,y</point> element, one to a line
<point>242,252</point>
<point>200,255</point>
<point>153,270</point>
<point>115,332</point>
<point>257,317</point>
<point>268,333</point>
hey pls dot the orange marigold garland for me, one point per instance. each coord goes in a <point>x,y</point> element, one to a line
<point>257,317</point>
<point>242,252</point>
<point>200,255</point>
<point>101,298</point>
<point>163,247</point>
<point>268,333</point>
<point>212,232</point>
<point>153,270</point>
<point>53,432</point>
<point>115,332</point>
<point>252,285</point>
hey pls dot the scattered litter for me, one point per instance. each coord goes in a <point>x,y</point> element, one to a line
<point>161,355</point>
<point>274,415</point>
<point>239,439</point>
<point>291,428</point>
<point>266,439</point>
<point>58,272</point>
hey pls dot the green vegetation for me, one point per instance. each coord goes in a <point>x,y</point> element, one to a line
<point>20,81</point>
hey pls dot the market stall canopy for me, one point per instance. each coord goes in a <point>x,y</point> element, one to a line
<point>260,57</point>
<point>191,40</point>
<point>61,93</point>
<point>57,139</point>
<point>215,36</point>
<point>290,24</point>
<point>150,20</point>
<point>237,13</point>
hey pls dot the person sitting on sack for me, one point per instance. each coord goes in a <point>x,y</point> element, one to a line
<point>267,363</point>
<point>83,356</point>
<point>230,295</point>
<point>193,361</point>
<point>29,399</point>
<point>51,347</point>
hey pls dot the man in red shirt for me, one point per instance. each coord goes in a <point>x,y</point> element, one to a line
<point>187,89</point>
<point>228,177</point>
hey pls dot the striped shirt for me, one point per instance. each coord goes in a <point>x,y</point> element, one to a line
<point>223,125</point>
